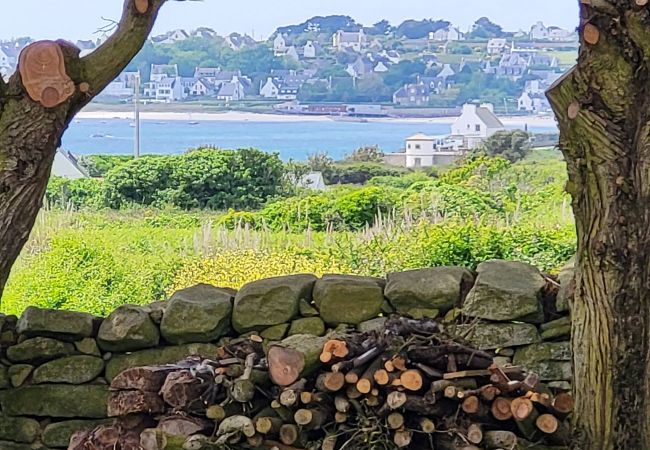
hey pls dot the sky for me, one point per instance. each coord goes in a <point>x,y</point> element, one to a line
<point>80,19</point>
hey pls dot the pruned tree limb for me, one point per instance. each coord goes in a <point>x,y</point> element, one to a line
<point>104,64</point>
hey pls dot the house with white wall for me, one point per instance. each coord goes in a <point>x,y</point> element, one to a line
<point>539,32</point>
<point>475,124</point>
<point>170,90</point>
<point>66,165</point>
<point>497,46</point>
<point>280,44</point>
<point>270,89</point>
<point>343,40</point>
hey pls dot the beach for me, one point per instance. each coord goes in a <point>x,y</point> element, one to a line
<point>237,116</point>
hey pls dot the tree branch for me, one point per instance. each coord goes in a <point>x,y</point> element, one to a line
<point>104,64</point>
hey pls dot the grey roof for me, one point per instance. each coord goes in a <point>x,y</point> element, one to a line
<point>227,90</point>
<point>347,36</point>
<point>167,69</point>
<point>488,118</point>
<point>206,72</point>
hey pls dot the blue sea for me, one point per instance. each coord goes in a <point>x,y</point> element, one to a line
<point>292,140</point>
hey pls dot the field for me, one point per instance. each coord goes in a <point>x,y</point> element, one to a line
<point>97,259</point>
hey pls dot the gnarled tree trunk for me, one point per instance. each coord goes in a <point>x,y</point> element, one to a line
<point>38,102</point>
<point>603,107</point>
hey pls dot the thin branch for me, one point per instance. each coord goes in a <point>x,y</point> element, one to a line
<point>105,63</point>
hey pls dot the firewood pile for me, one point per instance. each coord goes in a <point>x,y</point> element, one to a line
<point>405,385</point>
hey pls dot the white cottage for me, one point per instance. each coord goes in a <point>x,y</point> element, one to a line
<point>270,89</point>
<point>475,125</point>
<point>66,165</point>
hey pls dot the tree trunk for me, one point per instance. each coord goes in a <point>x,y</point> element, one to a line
<point>603,107</point>
<point>38,103</point>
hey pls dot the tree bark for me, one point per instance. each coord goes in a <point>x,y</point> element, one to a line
<point>603,108</point>
<point>31,132</point>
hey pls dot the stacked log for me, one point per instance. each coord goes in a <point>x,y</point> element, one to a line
<point>408,384</point>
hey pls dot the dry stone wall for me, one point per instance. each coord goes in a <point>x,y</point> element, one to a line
<point>56,366</point>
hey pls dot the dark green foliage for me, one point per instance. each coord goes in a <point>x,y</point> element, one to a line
<point>484,28</point>
<point>420,29</point>
<point>370,153</point>
<point>205,178</point>
<point>76,194</point>
<point>360,173</point>
<point>97,166</point>
<point>327,25</point>
<point>511,145</point>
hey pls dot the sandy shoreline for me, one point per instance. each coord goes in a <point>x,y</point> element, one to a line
<point>235,116</point>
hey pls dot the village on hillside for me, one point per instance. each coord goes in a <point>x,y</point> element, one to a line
<point>333,65</point>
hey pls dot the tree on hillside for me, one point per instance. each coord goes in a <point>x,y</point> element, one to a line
<point>420,29</point>
<point>602,106</point>
<point>512,145</point>
<point>37,104</point>
<point>381,28</point>
<point>484,28</point>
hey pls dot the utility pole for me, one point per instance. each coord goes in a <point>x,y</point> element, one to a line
<point>136,100</point>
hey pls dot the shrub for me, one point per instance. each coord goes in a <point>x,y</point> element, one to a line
<point>511,145</point>
<point>77,193</point>
<point>239,219</point>
<point>360,173</point>
<point>204,178</point>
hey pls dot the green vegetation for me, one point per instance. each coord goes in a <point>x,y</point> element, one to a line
<point>95,259</point>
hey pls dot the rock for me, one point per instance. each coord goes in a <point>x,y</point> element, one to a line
<point>313,326</point>
<point>197,314</point>
<point>561,322</point>
<point>19,429</point>
<point>490,336</point>
<point>306,309</point>
<point>372,325</point>
<point>61,401</point>
<point>5,381</point>
<point>156,311</point>
<point>548,351</point>
<point>19,373</point>
<point>567,287</point>
<point>38,350</point>
<point>70,370</point>
<point>265,303</point>
<point>553,334</point>
<point>127,329</point>
<point>439,288</point>
<point>58,434</point>
<point>502,361</point>
<point>275,333</point>
<point>66,325</point>
<point>348,299</point>
<point>88,346</point>
<point>506,290</point>
<point>8,445</point>
<point>157,356</point>
<point>560,385</point>
<point>422,313</point>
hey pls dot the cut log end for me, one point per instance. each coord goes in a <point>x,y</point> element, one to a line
<point>142,6</point>
<point>43,74</point>
<point>501,409</point>
<point>285,365</point>
<point>591,34</point>
<point>547,423</point>
<point>412,380</point>
<point>521,408</point>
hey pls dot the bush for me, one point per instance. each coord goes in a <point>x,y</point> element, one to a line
<point>360,173</point>
<point>511,145</point>
<point>204,178</point>
<point>77,193</point>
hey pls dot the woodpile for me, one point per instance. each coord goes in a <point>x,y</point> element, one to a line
<point>407,385</point>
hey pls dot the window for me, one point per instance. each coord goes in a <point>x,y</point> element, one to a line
<point>478,127</point>
<point>418,162</point>
<point>408,146</point>
<point>418,146</point>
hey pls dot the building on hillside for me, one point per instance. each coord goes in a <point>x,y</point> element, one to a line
<point>232,91</point>
<point>512,66</point>
<point>497,46</point>
<point>539,32</point>
<point>312,50</point>
<point>381,67</point>
<point>208,73</point>
<point>66,165</point>
<point>270,89</point>
<point>448,34</point>
<point>280,44</point>
<point>391,55</point>
<point>446,72</point>
<point>86,47</point>
<point>475,125</point>
<point>236,41</point>
<point>356,41</point>
<point>161,71</point>
<point>560,34</point>
<point>289,91</point>
<point>360,68</point>
<point>204,33</point>
<point>292,53</point>
<point>169,90</point>
<point>202,87</point>
<point>422,150</point>
<point>412,95</point>
<point>533,103</point>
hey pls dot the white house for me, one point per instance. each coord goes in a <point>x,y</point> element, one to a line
<point>313,180</point>
<point>310,50</point>
<point>381,67</point>
<point>231,92</point>
<point>176,36</point>
<point>475,124</point>
<point>539,32</point>
<point>559,34</point>
<point>446,72</point>
<point>422,150</point>
<point>202,87</point>
<point>280,44</point>
<point>270,89</point>
<point>292,53</point>
<point>169,90</point>
<point>448,34</point>
<point>496,46</point>
<point>354,40</point>
<point>533,103</point>
<point>66,165</point>
<point>209,73</point>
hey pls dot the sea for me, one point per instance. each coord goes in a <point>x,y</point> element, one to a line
<point>291,140</point>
